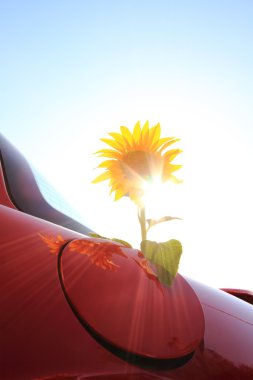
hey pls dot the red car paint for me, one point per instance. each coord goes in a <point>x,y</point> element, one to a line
<point>66,314</point>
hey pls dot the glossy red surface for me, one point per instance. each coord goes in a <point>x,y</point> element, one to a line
<point>4,197</point>
<point>229,324</point>
<point>245,295</point>
<point>131,311</point>
<point>42,338</point>
<point>40,335</point>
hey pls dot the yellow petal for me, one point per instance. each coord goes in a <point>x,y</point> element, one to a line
<point>127,135</point>
<point>171,154</point>
<point>119,138</point>
<point>175,179</point>
<point>157,133</point>
<point>119,190</point>
<point>154,134</point>
<point>102,177</point>
<point>106,164</point>
<point>137,132</point>
<point>171,168</point>
<point>114,144</point>
<point>160,142</point>
<point>108,153</point>
<point>119,194</point>
<point>135,195</point>
<point>168,143</point>
<point>145,134</point>
<point>114,184</point>
<point>113,189</point>
<point>113,181</point>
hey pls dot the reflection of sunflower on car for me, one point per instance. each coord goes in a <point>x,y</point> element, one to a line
<point>136,158</point>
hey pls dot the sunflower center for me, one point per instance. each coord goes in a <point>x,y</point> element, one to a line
<point>141,165</point>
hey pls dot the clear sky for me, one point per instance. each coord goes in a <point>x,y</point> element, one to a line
<point>72,71</point>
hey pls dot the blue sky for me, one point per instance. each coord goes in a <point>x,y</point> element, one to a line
<point>72,71</point>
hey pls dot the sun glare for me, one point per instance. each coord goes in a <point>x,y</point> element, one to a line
<point>155,197</point>
<point>158,198</point>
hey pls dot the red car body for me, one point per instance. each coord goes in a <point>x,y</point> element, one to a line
<point>73,307</point>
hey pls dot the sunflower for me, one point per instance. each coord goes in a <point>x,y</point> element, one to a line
<point>135,158</point>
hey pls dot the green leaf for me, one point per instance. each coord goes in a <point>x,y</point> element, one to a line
<point>165,256</point>
<point>123,242</point>
<point>97,236</point>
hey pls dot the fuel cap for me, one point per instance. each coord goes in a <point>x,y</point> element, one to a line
<point>116,295</point>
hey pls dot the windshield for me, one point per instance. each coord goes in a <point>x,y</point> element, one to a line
<point>32,194</point>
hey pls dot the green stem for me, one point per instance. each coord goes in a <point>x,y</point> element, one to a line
<point>142,220</point>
